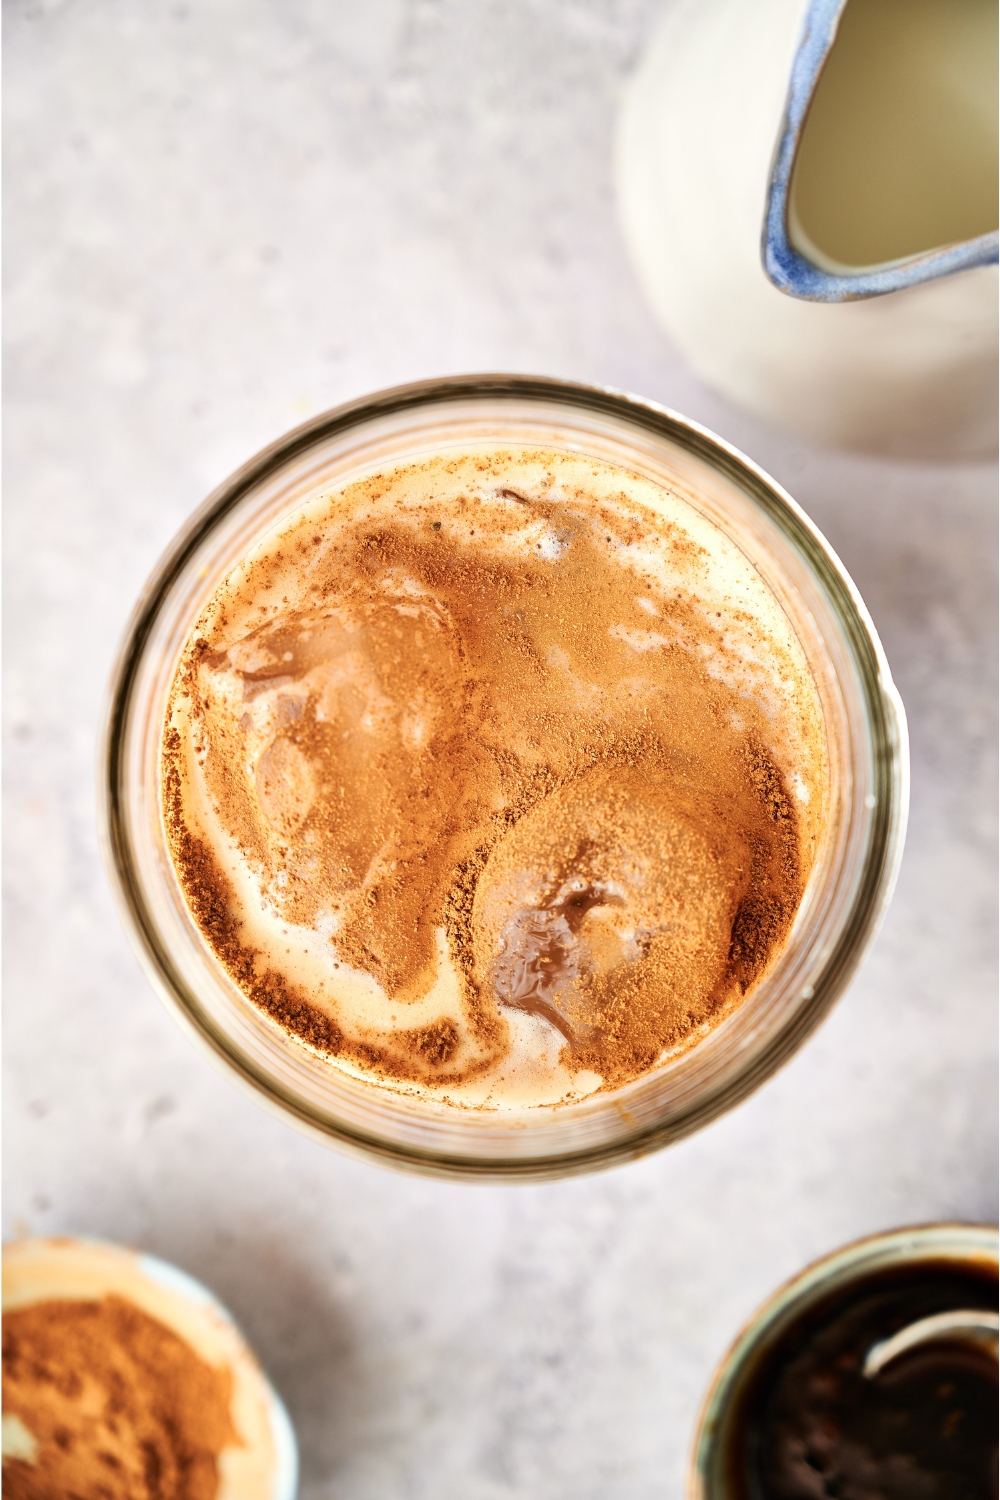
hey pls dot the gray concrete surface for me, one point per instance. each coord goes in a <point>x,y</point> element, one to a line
<point>222,217</point>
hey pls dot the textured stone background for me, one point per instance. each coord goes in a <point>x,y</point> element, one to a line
<point>222,217</point>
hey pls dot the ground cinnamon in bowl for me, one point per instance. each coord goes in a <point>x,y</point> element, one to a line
<point>123,1379</point>
<point>111,1405</point>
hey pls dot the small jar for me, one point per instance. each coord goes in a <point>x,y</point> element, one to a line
<point>848,888</point>
<point>721,1466</point>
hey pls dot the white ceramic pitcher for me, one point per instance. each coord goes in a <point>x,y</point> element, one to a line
<point>808,191</point>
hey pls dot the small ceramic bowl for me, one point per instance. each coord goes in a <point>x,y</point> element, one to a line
<point>264,1463</point>
<point>711,1471</point>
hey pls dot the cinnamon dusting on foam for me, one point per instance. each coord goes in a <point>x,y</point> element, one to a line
<point>497,777</point>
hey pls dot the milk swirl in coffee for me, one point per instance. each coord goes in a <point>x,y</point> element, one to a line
<point>496,777</point>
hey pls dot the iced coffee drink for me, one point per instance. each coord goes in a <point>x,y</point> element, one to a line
<point>503,776</point>
<point>497,777</point>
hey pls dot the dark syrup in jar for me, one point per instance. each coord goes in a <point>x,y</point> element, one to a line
<point>811,1425</point>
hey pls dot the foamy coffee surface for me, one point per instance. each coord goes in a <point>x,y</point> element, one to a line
<point>496,777</point>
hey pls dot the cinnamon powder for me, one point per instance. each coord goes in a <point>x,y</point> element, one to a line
<point>408,727</point>
<point>119,1406</point>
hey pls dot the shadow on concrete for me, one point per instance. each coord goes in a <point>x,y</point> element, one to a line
<point>293,1318</point>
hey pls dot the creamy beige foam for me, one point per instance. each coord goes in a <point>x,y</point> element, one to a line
<point>496,777</point>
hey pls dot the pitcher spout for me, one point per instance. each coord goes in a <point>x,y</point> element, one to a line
<point>885,168</point>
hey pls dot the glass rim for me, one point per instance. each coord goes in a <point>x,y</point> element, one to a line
<point>947,1239</point>
<point>884,715</point>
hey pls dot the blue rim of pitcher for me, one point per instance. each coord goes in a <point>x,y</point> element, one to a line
<point>785,266</point>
